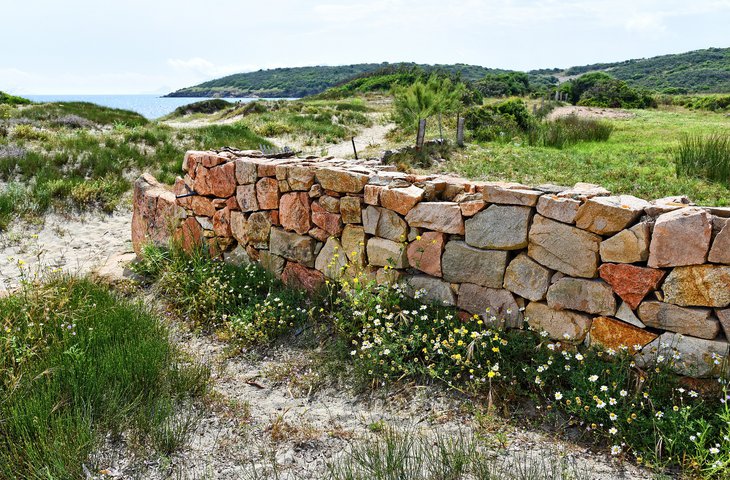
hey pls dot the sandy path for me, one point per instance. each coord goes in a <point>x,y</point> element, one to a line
<point>589,112</point>
<point>74,244</point>
<point>368,137</point>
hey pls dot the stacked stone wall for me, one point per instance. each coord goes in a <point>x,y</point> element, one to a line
<point>576,262</point>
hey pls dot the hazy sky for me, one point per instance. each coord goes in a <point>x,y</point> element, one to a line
<point>155,46</point>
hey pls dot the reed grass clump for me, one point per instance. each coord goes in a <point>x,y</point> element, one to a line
<point>704,156</point>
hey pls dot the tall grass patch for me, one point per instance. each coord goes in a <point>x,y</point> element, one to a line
<point>569,130</point>
<point>704,156</point>
<point>79,363</point>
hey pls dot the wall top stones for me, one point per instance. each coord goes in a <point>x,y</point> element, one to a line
<point>577,262</point>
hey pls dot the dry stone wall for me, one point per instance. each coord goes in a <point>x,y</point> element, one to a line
<point>578,263</point>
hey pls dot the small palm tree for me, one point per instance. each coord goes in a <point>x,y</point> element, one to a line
<point>421,100</point>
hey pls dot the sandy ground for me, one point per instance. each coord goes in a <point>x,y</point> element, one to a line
<point>261,423</point>
<point>367,138</point>
<point>74,244</point>
<point>589,112</point>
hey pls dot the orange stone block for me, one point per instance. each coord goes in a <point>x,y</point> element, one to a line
<point>611,333</point>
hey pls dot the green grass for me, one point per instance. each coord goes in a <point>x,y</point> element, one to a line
<point>637,159</point>
<point>90,111</point>
<point>54,156</point>
<point>704,157</point>
<point>79,362</point>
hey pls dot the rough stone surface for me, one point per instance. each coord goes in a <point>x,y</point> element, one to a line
<point>628,246</point>
<point>439,216</point>
<point>429,289</point>
<point>329,222</point>
<point>238,256</point>
<point>267,193</point>
<point>608,215</point>
<point>339,180</point>
<point>511,196</point>
<point>630,282</point>
<point>155,214</point>
<point>246,196</point>
<point>562,325</point>
<point>298,177</point>
<point>353,243</point>
<point>222,223</point>
<point>724,317</point>
<point>626,314</point>
<point>472,207</point>
<point>385,223</point>
<point>499,227</point>
<point>401,200</point>
<point>350,209</point>
<point>245,172</point>
<point>330,204</point>
<point>698,285</point>
<point>564,248</point>
<point>590,296</point>
<point>610,333</point>
<point>223,180</point>
<point>527,278</point>
<point>558,208</point>
<point>496,306</point>
<point>331,260</point>
<point>720,251</point>
<point>272,263</point>
<point>681,237</point>
<point>697,322</point>
<point>424,253</point>
<point>584,191</point>
<point>299,276</point>
<point>201,206</point>
<point>238,227</point>
<point>372,194</point>
<point>294,212</point>
<point>462,263</point>
<point>258,228</point>
<point>294,247</point>
<point>382,252</point>
<point>696,356</point>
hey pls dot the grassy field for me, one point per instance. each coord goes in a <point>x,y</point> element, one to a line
<point>636,159</point>
<point>77,363</point>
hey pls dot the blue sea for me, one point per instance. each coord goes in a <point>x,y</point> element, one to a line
<point>150,106</point>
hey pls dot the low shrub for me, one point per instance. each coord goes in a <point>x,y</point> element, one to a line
<point>704,156</point>
<point>205,106</point>
<point>7,99</point>
<point>502,121</point>
<point>78,363</point>
<point>390,337</point>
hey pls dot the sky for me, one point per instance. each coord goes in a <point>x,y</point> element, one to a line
<point>157,46</point>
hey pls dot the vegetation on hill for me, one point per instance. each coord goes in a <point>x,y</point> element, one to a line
<point>691,72</point>
<point>7,99</point>
<point>305,81</point>
<point>697,71</point>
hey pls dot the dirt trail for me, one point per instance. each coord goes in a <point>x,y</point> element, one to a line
<point>590,112</point>
<point>368,137</point>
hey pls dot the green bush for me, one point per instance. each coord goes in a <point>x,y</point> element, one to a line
<point>501,121</point>
<point>205,106</point>
<point>704,156</point>
<point>599,89</point>
<point>78,363</point>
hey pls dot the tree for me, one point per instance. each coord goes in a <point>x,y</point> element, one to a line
<point>416,102</point>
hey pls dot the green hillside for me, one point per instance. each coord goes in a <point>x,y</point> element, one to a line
<point>699,71</point>
<point>303,81</point>
<point>691,72</point>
